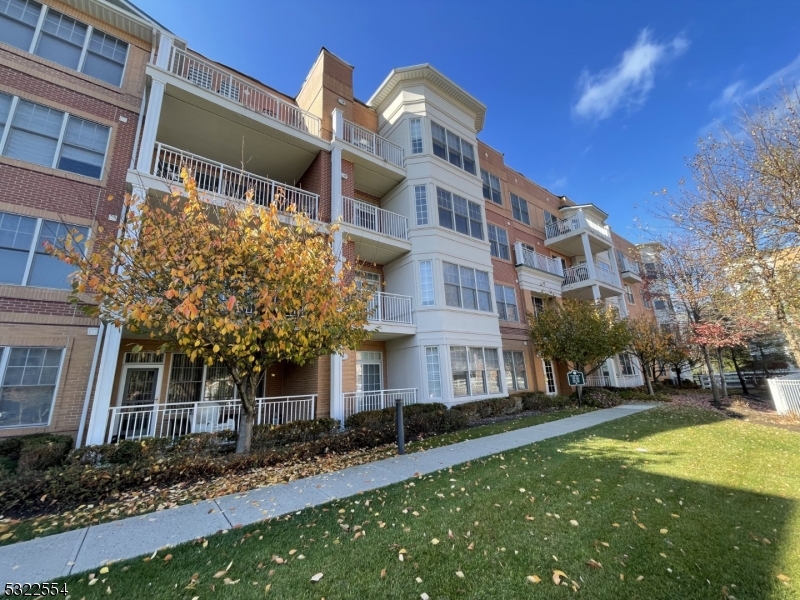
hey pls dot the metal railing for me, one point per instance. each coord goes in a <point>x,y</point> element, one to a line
<point>373,218</point>
<point>213,78</point>
<point>356,402</point>
<point>598,381</point>
<point>372,143</point>
<point>785,393</point>
<point>574,223</point>
<point>625,264</point>
<point>580,273</point>
<point>530,258</point>
<point>390,308</point>
<point>175,419</point>
<point>230,182</point>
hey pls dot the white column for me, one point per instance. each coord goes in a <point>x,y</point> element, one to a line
<point>587,254</point>
<point>337,124</point>
<point>151,119</point>
<point>105,383</point>
<point>337,401</point>
<point>164,51</point>
<point>612,372</point>
<point>623,306</point>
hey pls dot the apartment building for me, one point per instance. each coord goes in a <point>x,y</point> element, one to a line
<point>457,246</point>
<point>72,78</point>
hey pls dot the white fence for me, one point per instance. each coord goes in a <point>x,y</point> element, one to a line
<point>390,308</point>
<point>371,217</point>
<point>356,402</point>
<point>230,182</point>
<point>211,77</point>
<point>574,223</point>
<point>629,380</point>
<point>785,393</point>
<point>372,143</point>
<point>172,420</point>
<point>598,381</point>
<point>530,258</point>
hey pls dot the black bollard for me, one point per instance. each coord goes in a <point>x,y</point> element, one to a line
<point>401,441</point>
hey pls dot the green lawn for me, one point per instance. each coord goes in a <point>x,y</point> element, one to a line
<point>674,503</point>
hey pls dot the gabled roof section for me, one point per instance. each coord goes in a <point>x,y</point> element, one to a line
<point>427,72</point>
<point>587,208</point>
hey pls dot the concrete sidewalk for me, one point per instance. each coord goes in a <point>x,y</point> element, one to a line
<point>59,555</point>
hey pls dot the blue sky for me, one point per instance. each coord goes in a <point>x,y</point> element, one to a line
<point>600,101</point>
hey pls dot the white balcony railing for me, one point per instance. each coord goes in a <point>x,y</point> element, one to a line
<point>356,402</point>
<point>574,223</point>
<point>372,143</point>
<point>175,419</point>
<point>629,380</point>
<point>626,264</point>
<point>390,308</point>
<point>786,394</point>
<point>598,381</point>
<point>530,258</point>
<point>230,182</point>
<point>371,217</point>
<point>580,273</point>
<point>211,77</point>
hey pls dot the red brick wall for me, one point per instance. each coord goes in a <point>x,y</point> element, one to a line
<point>39,307</point>
<point>317,179</point>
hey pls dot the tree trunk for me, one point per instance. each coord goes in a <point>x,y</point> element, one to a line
<point>739,372</point>
<point>247,392</point>
<point>648,383</point>
<point>714,388</point>
<point>722,373</point>
<point>678,373</point>
<point>245,437</point>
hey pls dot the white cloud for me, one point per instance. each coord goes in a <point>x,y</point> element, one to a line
<point>628,83</point>
<point>738,93</point>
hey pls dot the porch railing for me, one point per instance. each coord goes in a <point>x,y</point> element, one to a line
<point>574,223</point>
<point>373,218</point>
<point>598,381</point>
<point>175,419</point>
<point>530,258</point>
<point>211,77</point>
<point>786,393</point>
<point>629,380</point>
<point>356,402</point>
<point>580,273</point>
<point>625,264</point>
<point>606,275</point>
<point>372,143</point>
<point>390,308</point>
<point>230,182</point>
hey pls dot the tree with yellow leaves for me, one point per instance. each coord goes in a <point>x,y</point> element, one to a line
<point>242,285</point>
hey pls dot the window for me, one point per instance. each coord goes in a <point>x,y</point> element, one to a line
<point>452,148</point>
<point>466,288</point>
<point>629,295</point>
<point>459,214</point>
<point>475,371</point>
<point>426,283</point>
<point>538,305</point>
<point>626,364</point>
<point>491,187</point>
<point>516,376</point>
<point>185,379</point>
<point>62,40</point>
<point>550,378</point>
<point>28,385</point>
<point>26,263</point>
<point>415,128</point>
<point>650,270</point>
<point>434,375</point>
<point>506,299</point>
<point>550,218</point>
<point>645,299</point>
<point>421,204</point>
<point>498,242</point>
<point>519,209</point>
<point>660,304</point>
<point>45,136</point>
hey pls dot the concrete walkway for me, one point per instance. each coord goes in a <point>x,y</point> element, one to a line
<point>48,558</point>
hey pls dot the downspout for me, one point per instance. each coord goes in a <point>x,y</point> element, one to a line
<point>87,397</point>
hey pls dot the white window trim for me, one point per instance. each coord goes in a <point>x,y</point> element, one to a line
<point>504,303</point>
<point>15,100</point>
<point>417,206</point>
<point>507,244</point>
<point>429,394</point>
<point>452,210</point>
<point>514,370</point>
<point>422,300</point>
<point>486,392</point>
<point>5,354</point>
<point>411,136</point>
<point>477,290</point>
<point>555,379</point>
<point>37,34</point>
<point>447,150</point>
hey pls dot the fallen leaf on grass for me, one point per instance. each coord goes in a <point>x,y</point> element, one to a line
<point>383,573</point>
<point>229,581</point>
<point>93,581</point>
<point>557,576</point>
<point>316,577</point>
<point>641,526</point>
<point>663,531</point>
<point>573,522</point>
<point>640,578</point>
<point>104,570</point>
<point>529,518</point>
<point>460,574</point>
<point>533,579</point>
<point>783,578</point>
<point>594,564</point>
<point>168,558</point>
<point>5,536</point>
<point>434,541</point>
<point>266,588</point>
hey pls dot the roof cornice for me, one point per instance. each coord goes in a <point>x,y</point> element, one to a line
<point>427,72</point>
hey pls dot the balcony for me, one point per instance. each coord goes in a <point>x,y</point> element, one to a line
<point>578,282</point>
<point>226,84</point>
<point>390,316</point>
<point>380,236</point>
<point>537,272</point>
<point>629,270</point>
<point>372,143</point>
<point>565,235</point>
<point>225,182</point>
<point>356,402</point>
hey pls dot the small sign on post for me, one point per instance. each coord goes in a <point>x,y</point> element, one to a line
<point>575,378</point>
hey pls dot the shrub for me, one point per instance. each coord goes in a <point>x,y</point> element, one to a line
<point>269,436</point>
<point>375,419</point>
<point>599,398</point>
<point>482,409</point>
<point>34,452</point>
<point>541,401</point>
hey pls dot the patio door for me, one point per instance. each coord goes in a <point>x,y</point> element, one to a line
<point>369,380</point>
<point>140,386</point>
<point>140,389</point>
